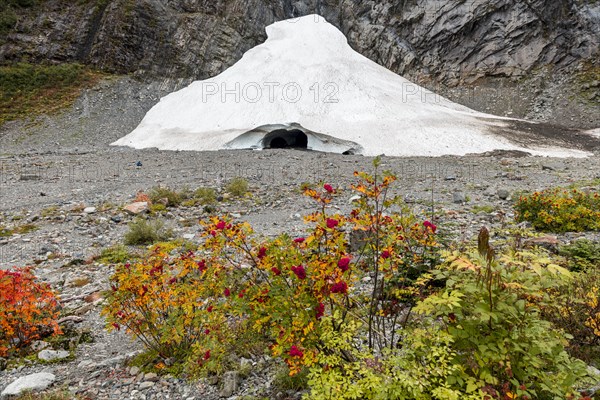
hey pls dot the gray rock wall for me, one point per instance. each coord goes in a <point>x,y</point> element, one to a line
<point>449,40</point>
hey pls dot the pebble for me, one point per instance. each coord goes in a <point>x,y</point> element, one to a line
<point>145,385</point>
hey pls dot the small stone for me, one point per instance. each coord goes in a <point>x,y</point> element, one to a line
<point>116,219</point>
<point>85,364</point>
<point>39,345</point>
<point>553,166</point>
<point>189,236</point>
<point>503,194</point>
<point>459,198</point>
<point>134,371</point>
<point>151,377</point>
<point>136,208</point>
<point>89,210</point>
<point>34,382</point>
<point>146,385</point>
<point>236,215</point>
<point>230,383</point>
<point>450,178</point>
<point>52,355</point>
<point>3,363</point>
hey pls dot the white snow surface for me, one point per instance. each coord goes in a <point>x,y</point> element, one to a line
<point>305,76</point>
<point>594,132</point>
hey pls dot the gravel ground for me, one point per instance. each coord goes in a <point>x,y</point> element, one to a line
<point>51,169</point>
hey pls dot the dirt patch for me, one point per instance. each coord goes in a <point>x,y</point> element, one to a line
<point>532,134</point>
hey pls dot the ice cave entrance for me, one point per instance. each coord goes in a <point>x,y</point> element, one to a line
<point>285,139</point>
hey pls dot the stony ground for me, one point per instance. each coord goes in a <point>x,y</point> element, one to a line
<point>71,187</point>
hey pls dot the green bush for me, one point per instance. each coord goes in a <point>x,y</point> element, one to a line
<point>576,310</point>
<point>582,254</point>
<point>238,187</point>
<point>483,335</point>
<point>206,196</point>
<point>159,193</point>
<point>115,255</point>
<point>560,210</point>
<point>143,231</point>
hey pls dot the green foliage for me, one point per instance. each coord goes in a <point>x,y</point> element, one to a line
<point>8,19</point>
<point>143,231</point>
<point>482,335</point>
<point>158,194</point>
<point>27,89</point>
<point>238,187</point>
<point>157,208</point>
<point>422,369</point>
<point>485,209</point>
<point>576,310</point>
<point>491,308</point>
<point>53,395</point>
<point>297,382</point>
<point>560,210</point>
<point>19,229</point>
<point>206,196</point>
<point>49,211</point>
<point>582,254</point>
<point>115,255</point>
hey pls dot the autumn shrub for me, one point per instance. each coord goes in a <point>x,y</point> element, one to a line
<point>28,310</point>
<point>195,305</point>
<point>560,210</point>
<point>388,321</point>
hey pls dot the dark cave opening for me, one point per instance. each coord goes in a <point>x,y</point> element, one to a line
<point>286,139</point>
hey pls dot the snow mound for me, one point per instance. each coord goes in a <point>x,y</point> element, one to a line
<point>305,87</point>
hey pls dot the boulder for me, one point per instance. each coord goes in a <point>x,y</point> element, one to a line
<point>136,208</point>
<point>34,383</point>
<point>52,355</point>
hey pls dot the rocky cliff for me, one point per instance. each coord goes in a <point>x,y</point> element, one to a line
<point>448,39</point>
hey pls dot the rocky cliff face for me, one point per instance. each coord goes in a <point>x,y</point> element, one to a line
<point>447,39</point>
